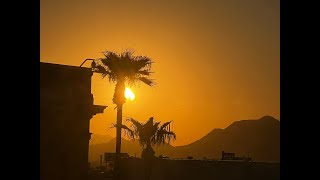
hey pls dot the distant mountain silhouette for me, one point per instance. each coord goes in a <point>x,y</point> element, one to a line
<point>260,139</point>
<point>99,139</point>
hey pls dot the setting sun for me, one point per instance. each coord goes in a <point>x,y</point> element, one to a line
<point>129,94</point>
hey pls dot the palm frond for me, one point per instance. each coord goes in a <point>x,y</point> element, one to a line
<point>128,53</point>
<point>142,61</point>
<point>127,131</point>
<point>124,66</point>
<point>156,125</point>
<point>111,77</point>
<point>152,132</point>
<point>166,125</point>
<point>135,122</point>
<point>99,69</point>
<point>144,72</point>
<point>136,125</point>
<point>147,81</point>
<point>149,123</point>
<point>170,134</point>
<point>164,136</point>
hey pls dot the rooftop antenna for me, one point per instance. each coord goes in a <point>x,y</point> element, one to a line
<point>85,61</point>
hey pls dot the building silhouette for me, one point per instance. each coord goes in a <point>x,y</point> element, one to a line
<point>231,156</point>
<point>227,156</point>
<point>66,107</point>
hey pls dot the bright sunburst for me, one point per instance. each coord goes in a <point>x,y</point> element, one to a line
<point>129,94</point>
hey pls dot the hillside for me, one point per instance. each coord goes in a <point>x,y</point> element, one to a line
<point>99,139</point>
<point>260,139</point>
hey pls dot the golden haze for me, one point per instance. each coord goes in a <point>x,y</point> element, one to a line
<point>215,61</point>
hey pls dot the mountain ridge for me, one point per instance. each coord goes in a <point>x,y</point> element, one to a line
<point>258,138</point>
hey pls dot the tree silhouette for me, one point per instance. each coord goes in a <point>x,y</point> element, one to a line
<point>149,133</point>
<point>123,68</point>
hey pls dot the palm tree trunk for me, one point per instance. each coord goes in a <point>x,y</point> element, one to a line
<point>119,100</point>
<point>148,160</point>
<point>119,124</point>
<point>118,143</point>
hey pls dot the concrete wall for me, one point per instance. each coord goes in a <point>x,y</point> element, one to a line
<point>65,104</point>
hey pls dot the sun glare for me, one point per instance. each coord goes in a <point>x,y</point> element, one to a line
<point>129,94</point>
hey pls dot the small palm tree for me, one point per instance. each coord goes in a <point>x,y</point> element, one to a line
<point>150,133</point>
<point>123,68</point>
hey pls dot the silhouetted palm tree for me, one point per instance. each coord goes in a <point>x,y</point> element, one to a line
<point>123,68</point>
<point>150,133</point>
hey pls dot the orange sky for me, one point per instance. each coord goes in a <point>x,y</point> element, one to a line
<point>216,61</point>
